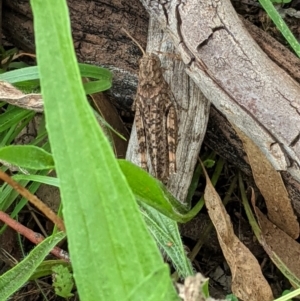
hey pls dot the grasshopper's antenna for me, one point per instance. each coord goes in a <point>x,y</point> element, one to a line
<point>135,41</point>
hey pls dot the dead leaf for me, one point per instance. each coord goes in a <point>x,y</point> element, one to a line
<point>12,95</point>
<point>248,282</point>
<point>271,186</point>
<point>282,249</point>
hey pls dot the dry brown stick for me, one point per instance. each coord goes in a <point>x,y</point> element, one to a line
<point>18,55</point>
<point>34,200</point>
<point>34,237</point>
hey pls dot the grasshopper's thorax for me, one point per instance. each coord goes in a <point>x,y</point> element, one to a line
<point>150,75</point>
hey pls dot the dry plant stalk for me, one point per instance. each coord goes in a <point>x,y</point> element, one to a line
<point>33,200</point>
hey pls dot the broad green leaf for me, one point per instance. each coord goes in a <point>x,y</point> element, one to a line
<point>110,247</point>
<point>145,291</point>
<point>152,192</point>
<point>27,156</point>
<point>12,280</point>
<point>9,195</point>
<point>145,188</point>
<point>164,230</point>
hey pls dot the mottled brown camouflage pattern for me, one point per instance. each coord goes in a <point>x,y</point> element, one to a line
<point>156,119</point>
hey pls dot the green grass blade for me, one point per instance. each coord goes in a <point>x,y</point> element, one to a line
<point>13,116</point>
<point>32,73</point>
<point>38,178</point>
<point>15,130</point>
<point>27,75</point>
<point>12,280</point>
<point>280,24</point>
<point>289,296</point>
<point>110,247</point>
<point>8,195</point>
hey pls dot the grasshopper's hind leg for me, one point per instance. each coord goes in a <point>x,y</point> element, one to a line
<point>172,138</point>
<point>140,131</point>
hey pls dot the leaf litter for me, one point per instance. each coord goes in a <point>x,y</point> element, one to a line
<point>271,186</point>
<point>248,282</point>
<point>281,248</point>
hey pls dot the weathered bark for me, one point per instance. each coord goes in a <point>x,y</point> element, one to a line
<point>97,35</point>
<point>220,135</point>
<point>236,76</point>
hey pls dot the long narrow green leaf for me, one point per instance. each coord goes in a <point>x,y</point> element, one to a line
<point>289,296</point>
<point>38,178</point>
<point>280,24</point>
<point>103,83</point>
<point>31,73</point>
<point>8,195</point>
<point>13,116</point>
<point>12,280</point>
<point>110,247</point>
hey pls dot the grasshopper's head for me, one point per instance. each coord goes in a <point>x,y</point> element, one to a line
<point>149,66</point>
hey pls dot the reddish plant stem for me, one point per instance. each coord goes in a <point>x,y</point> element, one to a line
<point>34,237</point>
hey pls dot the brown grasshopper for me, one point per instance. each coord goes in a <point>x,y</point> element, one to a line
<point>155,117</point>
